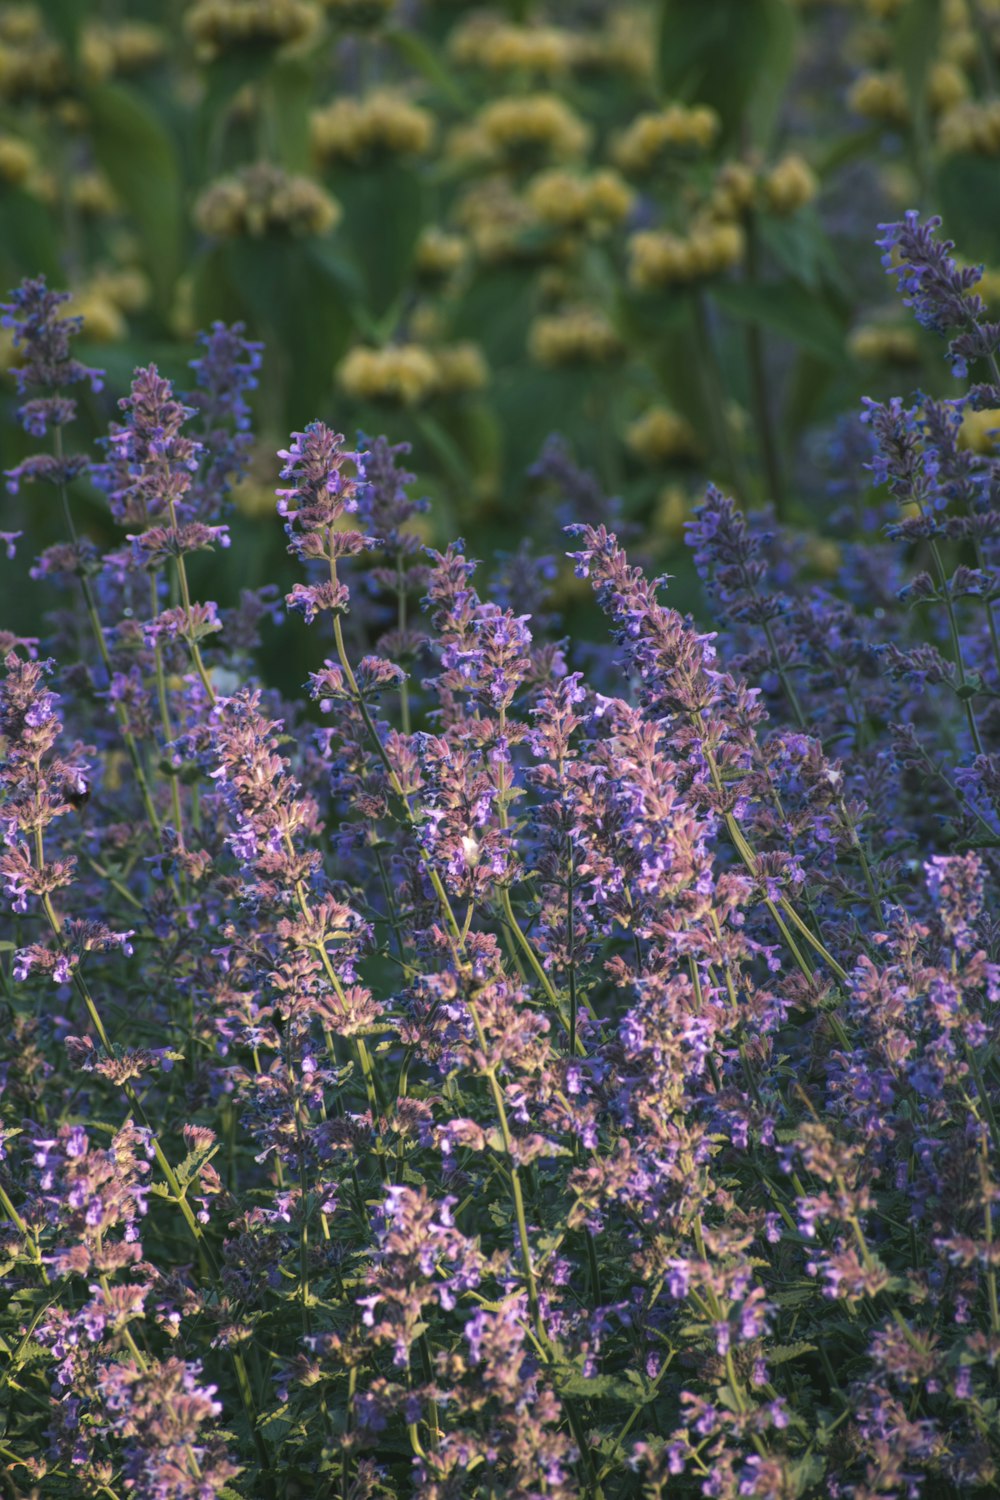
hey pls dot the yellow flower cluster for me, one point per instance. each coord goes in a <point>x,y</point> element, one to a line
<point>17,160</point>
<point>594,202</point>
<point>672,511</point>
<point>988,287</point>
<point>502,226</point>
<point>262,199</point>
<point>980,431</point>
<point>92,194</point>
<point>412,373</point>
<point>734,191</point>
<point>883,96</point>
<point>217,26</point>
<point>880,96</point>
<point>349,130</point>
<point>789,185</point>
<point>651,135</point>
<point>461,367</point>
<point>574,336</point>
<point>661,435</point>
<point>658,258</point>
<point>103,322</point>
<point>531,124</point>
<point>439,254</point>
<point>877,343</point>
<point>125,48</point>
<point>971,127</point>
<point>625,44</point>
<point>32,65</point>
<point>487,41</point>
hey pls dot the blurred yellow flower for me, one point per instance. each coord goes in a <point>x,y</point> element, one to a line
<point>980,430</point>
<point>17,160</point>
<point>439,254</point>
<point>880,96</point>
<point>877,343</point>
<point>126,47</point>
<point>383,122</point>
<point>262,199</point>
<point>673,508</point>
<point>594,202</point>
<point>651,135</point>
<point>658,258</point>
<point>972,127</point>
<point>103,322</point>
<point>92,194</point>
<point>531,123</point>
<point>660,435</point>
<point>574,336</point>
<point>486,40</point>
<point>460,367</point>
<point>406,373</point>
<point>789,185</point>
<point>217,26</point>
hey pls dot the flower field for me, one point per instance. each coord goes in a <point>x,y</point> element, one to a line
<point>516,1016</point>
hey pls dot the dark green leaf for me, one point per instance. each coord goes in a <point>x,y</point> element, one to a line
<point>732,54</point>
<point>139,158</point>
<point>788,309</point>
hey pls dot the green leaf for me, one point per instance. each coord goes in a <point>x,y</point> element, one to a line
<point>138,155</point>
<point>732,54</point>
<point>383,216</point>
<point>788,309</point>
<point>968,194</point>
<point>782,1353</point>
<point>917,40</point>
<point>427,60</point>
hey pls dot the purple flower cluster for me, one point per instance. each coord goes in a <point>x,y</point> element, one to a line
<point>511,1070</point>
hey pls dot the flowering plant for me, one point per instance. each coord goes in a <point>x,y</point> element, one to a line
<point>513,1069</point>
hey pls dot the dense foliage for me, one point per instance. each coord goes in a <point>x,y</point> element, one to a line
<point>520,1067</point>
<point>640,224</point>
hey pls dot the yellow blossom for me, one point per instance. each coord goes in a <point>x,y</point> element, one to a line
<point>593,202</point>
<point>439,254</point>
<point>406,373</point>
<point>980,430</point>
<point>880,96</point>
<point>651,135</point>
<point>881,344</point>
<point>460,368</point>
<point>625,44</point>
<point>672,511</point>
<point>487,41</point>
<point>658,258</point>
<point>17,160</point>
<point>533,123</point>
<point>103,322</point>
<point>262,199</point>
<point>92,194</point>
<point>660,435</point>
<point>123,48</point>
<point>574,336</point>
<point>383,122</point>
<point>971,127</point>
<point>128,288</point>
<point>733,192</point>
<point>947,86</point>
<point>790,185</point>
<point>824,555</point>
<point>502,226</point>
<point>217,26</point>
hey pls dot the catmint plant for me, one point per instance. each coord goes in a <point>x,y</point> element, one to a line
<point>513,1068</point>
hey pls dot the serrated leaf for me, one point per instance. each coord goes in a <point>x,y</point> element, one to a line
<point>782,1353</point>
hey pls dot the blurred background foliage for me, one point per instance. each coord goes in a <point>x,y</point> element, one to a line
<point>646,226</point>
